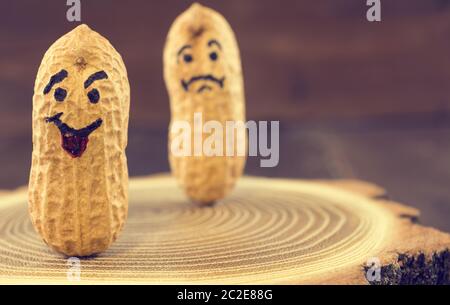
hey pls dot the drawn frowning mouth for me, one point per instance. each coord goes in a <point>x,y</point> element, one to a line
<point>209,77</point>
<point>73,141</point>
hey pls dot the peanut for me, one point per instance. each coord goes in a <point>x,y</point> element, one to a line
<point>203,74</point>
<point>78,187</point>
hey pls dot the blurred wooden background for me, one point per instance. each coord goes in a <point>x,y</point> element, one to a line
<point>355,99</point>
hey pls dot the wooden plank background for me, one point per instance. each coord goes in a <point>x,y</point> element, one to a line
<point>355,99</point>
<point>314,59</point>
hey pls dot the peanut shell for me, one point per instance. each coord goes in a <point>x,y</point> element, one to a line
<point>203,74</point>
<point>78,187</point>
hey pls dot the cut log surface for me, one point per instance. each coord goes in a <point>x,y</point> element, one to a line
<point>269,231</point>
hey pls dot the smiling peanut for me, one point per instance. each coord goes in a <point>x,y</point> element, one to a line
<point>78,189</point>
<point>203,75</point>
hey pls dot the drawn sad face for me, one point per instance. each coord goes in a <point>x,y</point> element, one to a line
<point>201,59</point>
<point>199,67</point>
<point>69,92</point>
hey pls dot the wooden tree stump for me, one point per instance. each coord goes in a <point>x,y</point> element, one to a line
<point>268,231</point>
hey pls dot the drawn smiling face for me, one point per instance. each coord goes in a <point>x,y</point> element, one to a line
<point>206,55</point>
<point>73,141</point>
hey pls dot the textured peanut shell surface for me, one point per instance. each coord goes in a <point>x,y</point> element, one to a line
<point>79,205</point>
<point>203,31</point>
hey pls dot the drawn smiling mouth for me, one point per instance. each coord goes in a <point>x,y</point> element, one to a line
<point>73,141</point>
<point>209,77</point>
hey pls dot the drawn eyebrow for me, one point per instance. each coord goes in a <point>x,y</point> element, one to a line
<point>184,48</point>
<point>96,76</point>
<point>55,79</point>
<point>214,42</point>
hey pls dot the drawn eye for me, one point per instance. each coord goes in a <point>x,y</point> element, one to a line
<point>94,96</point>
<point>60,94</point>
<point>188,58</point>
<point>214,56</point>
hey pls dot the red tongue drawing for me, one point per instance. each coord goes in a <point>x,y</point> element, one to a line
<point>75,145</point>
<point>73,141</point>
